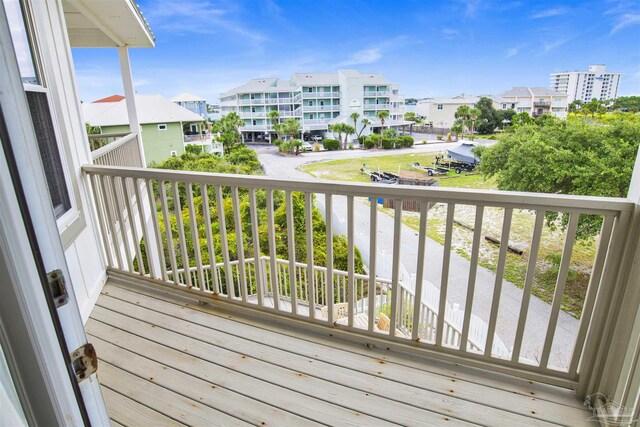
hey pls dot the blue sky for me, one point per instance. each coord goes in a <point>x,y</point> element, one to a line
<point>430,48</point>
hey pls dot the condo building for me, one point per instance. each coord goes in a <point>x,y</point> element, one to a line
<point>318,100</point>
<point>535,101</point>
<point>587,85</point>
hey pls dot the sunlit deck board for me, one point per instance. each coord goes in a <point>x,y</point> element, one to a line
<point>283,372</point>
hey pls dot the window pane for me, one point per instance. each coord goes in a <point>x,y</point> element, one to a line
<point>49,153</point>
<point>20,39</point>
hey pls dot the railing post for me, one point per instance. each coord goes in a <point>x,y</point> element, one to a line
<point>129,93</point>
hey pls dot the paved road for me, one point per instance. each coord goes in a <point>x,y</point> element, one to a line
<point>286,167</point>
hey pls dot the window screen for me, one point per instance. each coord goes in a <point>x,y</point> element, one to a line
<point>49,153</point>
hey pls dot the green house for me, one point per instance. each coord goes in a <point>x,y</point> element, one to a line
<point>166,127</point>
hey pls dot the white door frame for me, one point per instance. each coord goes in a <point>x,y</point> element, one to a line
<point>30,246</point>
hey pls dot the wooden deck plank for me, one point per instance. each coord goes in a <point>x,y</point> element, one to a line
<point>173,405</point>
<point>447,403</point>
<point>246,384</point>
<point>125,411</point>
<point>291,378</point>
<point>205,392</point>
<point>348,357</point>
<point>495,381</point>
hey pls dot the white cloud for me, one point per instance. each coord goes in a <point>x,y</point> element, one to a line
<point>547,13</point>
<point>201,17</point>
<point>450,33</point>
<point>364,56</point>
<point>471,7</point>
<point>625,20</point>
<point>549,46</point>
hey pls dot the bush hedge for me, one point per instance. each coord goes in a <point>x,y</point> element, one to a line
<point>386,142</point>
<point>331,144</point>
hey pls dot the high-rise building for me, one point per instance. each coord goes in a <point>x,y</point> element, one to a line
<point>316,99</point>
<point>587,85</point>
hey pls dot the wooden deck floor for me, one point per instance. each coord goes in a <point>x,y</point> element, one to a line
<point>166,360</point>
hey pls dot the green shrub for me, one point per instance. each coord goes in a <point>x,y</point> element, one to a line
<point>404,141</point>
<point>331,144</point>
<point>284,147</point>
<point>390,133</point>
<point>388,143</point>
<point>316,146</point>
<point>361,140</point>
<point>277,142</point>
<point>350,147</point>
<point>369,143</point>
<point>439,137</point>
<point>373,140</point>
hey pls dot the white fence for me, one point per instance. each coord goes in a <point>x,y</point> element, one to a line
<point>123,151</point>
<point>414,316</point>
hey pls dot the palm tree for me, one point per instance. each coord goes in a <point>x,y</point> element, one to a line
<point>337,128</point>
<point>382,115</point>
<point>274,116</point>
<point>355,116</point>
<point>365,122</point>
<point>473,115</point>
<point>292,127</point>
<point>348,130</point>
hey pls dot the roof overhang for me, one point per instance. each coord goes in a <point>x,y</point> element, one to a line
<point>106,23</point>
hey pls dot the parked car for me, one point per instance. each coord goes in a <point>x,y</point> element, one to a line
<point>316,138</point>
<point>306,146</point>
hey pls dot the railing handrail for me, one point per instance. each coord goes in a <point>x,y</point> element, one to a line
<point>113,145</point>
<point>107,135</point>
<point>497,198</point>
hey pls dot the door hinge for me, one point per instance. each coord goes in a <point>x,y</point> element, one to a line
<point>85,361</point>
<point>58,288</point>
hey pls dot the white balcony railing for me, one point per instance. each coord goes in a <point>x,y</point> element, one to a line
<point>123,151</point>
<point>371,94</point>
<point>262,127</point>
<point>316,121</point>
<point>314,108</point>
<point>421,316</point>
<point>321,94</point>
<point>207,137</point>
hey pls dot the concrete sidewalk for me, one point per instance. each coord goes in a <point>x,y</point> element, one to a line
<point>537,318</point>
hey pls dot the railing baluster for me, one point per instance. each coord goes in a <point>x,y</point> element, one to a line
<point>123,226</point>
<point>156,229</point>
<point>256,246</point>
<point>471,286</point>
<point>204,194</point>
<point>242,278</point>
<point>350,260</point>
<point>132,224</point>
<point>592,290</point>
<point>422,241</point>
<point>292,254</point>
<point>195,237</point>
<point>395,271</point>
<point>560,284</point>
<point>328,203</point>
<point>168,231</point>
<point>373,237</point>
<point>528,284</point>
<point>181,237</point>
<point>273,267</point>
<point>228,273</point>
<point>101,209</point>
<point>308,209</point>
<point>497,287</point>
<point>444,280</point>
<point>144,226</point>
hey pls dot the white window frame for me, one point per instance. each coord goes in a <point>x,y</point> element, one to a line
<point>73,221</point>
<point>160,127</point>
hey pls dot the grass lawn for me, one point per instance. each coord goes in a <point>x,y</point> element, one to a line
<point>349,170</point>
<point>521,228</point>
